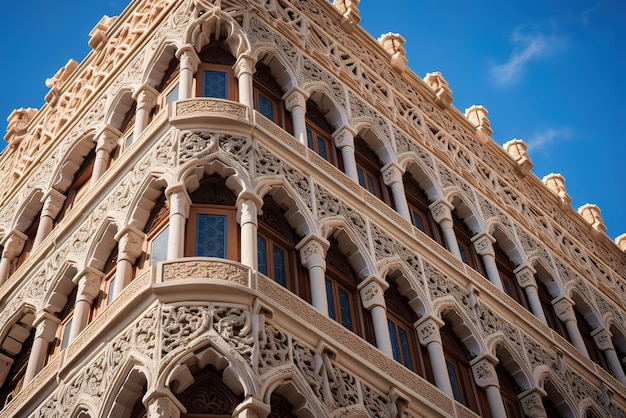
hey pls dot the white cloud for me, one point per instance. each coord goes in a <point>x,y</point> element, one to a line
<point>541,140</point>
<point>528,46</point>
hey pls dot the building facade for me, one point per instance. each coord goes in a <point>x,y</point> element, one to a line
<point>255,209</point>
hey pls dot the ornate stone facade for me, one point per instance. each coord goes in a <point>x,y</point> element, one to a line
<point>173,319</point>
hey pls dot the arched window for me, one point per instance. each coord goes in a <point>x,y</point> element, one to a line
<point>215,77</point>
<point>509,281</point>
<point>31,233</point>
<point>268,98</point>
<point>79,186</point>
<point>277,254</point>
<point>319,135</point>
<point>344,300</point>
<point>157,235</point>
<point>418,202</point>
<point>509,389</point>
<point>169,85</point>
<point>368,168</point>
<point>105,296</point>
<point>404,341</point>
<point>212,226</point>
<point>464,388</point>
<point>15,378</point>
<point>594,352</point>
<point>466,247</point>
<point>62,338</point>
<point>209,396</point>
<point>548,310</point>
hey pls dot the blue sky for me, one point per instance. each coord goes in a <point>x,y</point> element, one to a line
<point>550,72</point>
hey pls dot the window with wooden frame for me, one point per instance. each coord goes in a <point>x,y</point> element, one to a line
<point>509,389</point>
<point>466,247</point>
<point>319,135</point>
<point>215,77</point>
<point>342,295</point>
<point>107,283</point>
<point>404,340</point>
<point>595,354</point>
<point>268,98</point>
<point>169,85</point>
<point>368,168</point>
<point>157,235</point>
<point>62,338</point>
<point>277,254</point>
<point>464,389</point>
<point>421,216</point>
<point>212,229</point>
<point>548,310</point>
<point>79,186</point>
<point>509,281</point>
<point>14,380</point>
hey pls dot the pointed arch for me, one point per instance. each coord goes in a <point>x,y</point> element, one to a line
<point>463,326</point>
<point>509,358</point>
<point>69,164</point>
<point>103,243</point>
<point>159,62</point>
<point>426,178</point>
<point>121,103</point>
<point>555,396</point>
<point>408,283</point>
<point>507,242</point>
<point>376,140</point>
<point>291,386</point>
<point>28,210</point>
<point>214,23</point>
<point>350,244</point>
<point>328,104</point>
<point>279,65</point>
<point>467,211</point>
<point>127,389</point>
<point>61,286</point>
<point>151,189</point>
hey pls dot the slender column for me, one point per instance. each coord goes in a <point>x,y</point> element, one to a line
<point>12,244</point>
<point>146,97</point>
<point>602,338</point>
<point>106,141</point>
<point>247,209</point>
<point>179,202</point>
<point>392,176</point>
<point>428,332</point>
<point>344,141</point>
<point>442,214</point>
<point>46,325</point>
<point>163,404</point>
<point>484,247</point>
<point>526,279</point>
<point>129,247</point>
<point>313,255</point>
<point>88,282</point>
<point>485,376</point>
<point>52,204</point>
<point>252,408</point>
<point>295,102</point>
<point>244,68</point>
<point>189,62</point>
<point>532,403</point>
<point>372,292</point>
<point>564,310</point>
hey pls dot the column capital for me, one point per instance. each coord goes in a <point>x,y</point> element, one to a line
<point>564,308</point>
<point>130,243</point>
<point>295,97</point>
<point>372,291</point>
<point>188,57</point>
<point>532,403</point>
<point>313,251</point>
<point>161,403</point>
<point>106,138</point>
<point>344,136</point>
<point>484,370</point>
<point>483,243</point>
<point>52,203</point>
<point>46,325</point>
<point>259,409</point>
<point>244,65</point>
<point>178,199</point>
<point>145,96</point>
<point>88,282</point>
<point>602,337</point>
<point>392,173</point>
<point>248,207</point>
<point>441,210</point>
<point>525,275</point>
<point>13,244</point>
<point>428,329</point>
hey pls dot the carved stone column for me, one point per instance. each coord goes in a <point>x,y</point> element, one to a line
<point>526,279</point>
<point>429,336</point>
<point>179,202</point>
<point>372,292</point>
<point>344,141</point>
<point>564,310</point>
<point>88,282</point>
<point>392,176</point>
<point>52,204</point>
<point>163,404</point>
<point>602,338</point>
<point>146,98</point>
<point>295,102</point>
<point>247,209</point>
<point>189,62</point>
<point>252,408</point>
<point>12,244</point>
<point>442,214</point>
<point>313,255</point>
<point>244,68</point>
<point>485,376</point>
<point>532,404</point>
<point>129,247</point>
<point>483,243</point>
<point>106,141</point>
<point>46,326</point>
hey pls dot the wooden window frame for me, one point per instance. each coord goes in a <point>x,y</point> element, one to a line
<point>464,241</point>
<point>232,229</point>
<point>231,80</point>
<point>509,281</point>
<point>367,163</point>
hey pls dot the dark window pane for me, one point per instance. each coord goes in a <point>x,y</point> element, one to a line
<point>211,236</point>
<point>454,381</point>
<point>463,254</point>
<point>394,341</point>
<point>330,300</point>
<point>321,148</point>
<point>172,96</point>
<point>266,107</point>
<point>262,254</point>
<point>361,175</point>
<point>418,221</point>
<point>66,334</point>
<point>215,84</point>
<point>158,251</point>
<point>280,273</point>
<point>309,138</point>
<point>371,185</point>
<point>404,346</point>
<point>346,309</point>
<point>110,291</point>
